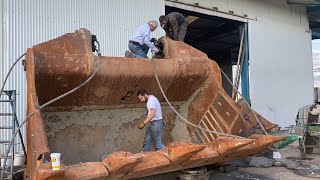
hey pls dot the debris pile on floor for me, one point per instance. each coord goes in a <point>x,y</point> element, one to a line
<point>261,162</point>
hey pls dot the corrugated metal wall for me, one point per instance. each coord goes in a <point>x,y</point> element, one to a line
<point>29,22</point>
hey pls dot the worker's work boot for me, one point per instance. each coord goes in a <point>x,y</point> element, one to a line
<point>128,54</point>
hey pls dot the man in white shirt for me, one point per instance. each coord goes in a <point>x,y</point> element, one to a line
<point>153,121</point>
<point>140,43</point>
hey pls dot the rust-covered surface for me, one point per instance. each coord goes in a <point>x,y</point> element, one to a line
<point>95,128</point>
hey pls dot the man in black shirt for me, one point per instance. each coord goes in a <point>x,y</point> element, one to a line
<point>175,25</point>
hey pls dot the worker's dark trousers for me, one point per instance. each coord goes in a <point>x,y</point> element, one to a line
<point>153,135</point>
<point>139,51</point>
<point>182,31</point>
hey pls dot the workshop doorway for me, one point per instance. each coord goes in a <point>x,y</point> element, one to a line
<point>220,39</point>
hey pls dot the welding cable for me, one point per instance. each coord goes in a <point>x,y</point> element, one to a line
<point>97,66</point>
<point>7,76</point>
<point>184,120</point>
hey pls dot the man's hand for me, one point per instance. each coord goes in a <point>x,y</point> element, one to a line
<point>141,125</point>
<point>153,40</point>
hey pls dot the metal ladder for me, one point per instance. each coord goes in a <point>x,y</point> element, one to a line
<point>11,98</point>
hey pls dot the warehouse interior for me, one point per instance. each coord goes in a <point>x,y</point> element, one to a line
<point>218,37</point>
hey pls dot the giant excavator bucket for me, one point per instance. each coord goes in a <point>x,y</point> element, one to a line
<point>95,127</point>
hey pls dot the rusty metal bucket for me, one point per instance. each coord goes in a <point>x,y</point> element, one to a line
<point>95,130</point>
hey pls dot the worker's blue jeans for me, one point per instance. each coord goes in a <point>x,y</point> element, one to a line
<point>153,135</point>
<point>139,51</point>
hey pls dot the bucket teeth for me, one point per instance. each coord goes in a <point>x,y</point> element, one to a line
<point>262,142</point>
<point>216,151</point>
<point>121,162</point>
<point>152,163</point>
<point>181,155</point>
<point>225,146</point>
<point>178,152</point>
<point>176,156</point>
<point>266,140</point>
<point>89,170</point>
<point>206,156</point>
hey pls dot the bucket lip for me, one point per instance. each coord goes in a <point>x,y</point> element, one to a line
<point>55,154</point>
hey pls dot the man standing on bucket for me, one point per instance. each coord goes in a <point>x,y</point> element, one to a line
<point>175,25</point>
<point>153,121</point>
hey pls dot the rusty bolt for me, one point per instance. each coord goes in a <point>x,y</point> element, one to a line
<point>246,117</point>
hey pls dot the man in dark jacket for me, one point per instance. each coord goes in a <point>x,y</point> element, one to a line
<point>175,25</point>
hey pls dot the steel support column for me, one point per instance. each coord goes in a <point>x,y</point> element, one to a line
<point>245,68</point>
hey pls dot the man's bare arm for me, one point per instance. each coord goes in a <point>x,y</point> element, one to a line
<point>150,116</point>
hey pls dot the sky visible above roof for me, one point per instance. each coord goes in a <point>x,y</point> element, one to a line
<point>316,61</point>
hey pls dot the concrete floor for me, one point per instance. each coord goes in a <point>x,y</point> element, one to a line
<point>293,168</point>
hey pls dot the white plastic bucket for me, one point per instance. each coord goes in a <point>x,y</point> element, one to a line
<point>55,160</point>
<point>18,160</point>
